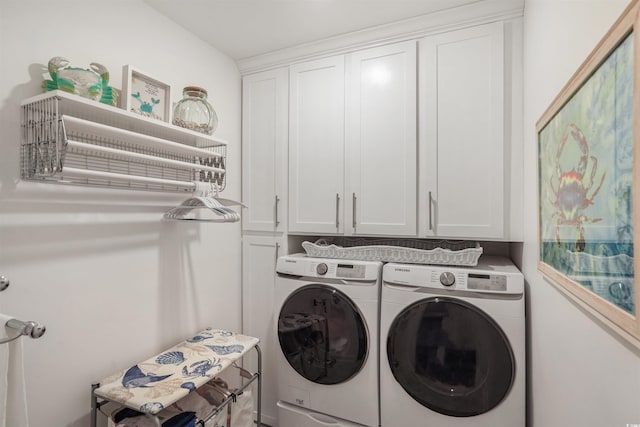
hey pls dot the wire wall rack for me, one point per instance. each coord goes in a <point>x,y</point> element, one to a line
<point>70,139</point>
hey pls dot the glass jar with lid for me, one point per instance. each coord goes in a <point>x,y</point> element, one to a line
<point>194,112</point>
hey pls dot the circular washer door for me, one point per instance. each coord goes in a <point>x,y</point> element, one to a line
<point>450,356</point>
<point>322,334</point>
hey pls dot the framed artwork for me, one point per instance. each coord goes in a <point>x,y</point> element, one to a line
<point>588,212</point>
<point>144,95</point>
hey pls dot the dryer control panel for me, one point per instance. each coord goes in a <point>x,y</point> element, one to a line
<point>504,279</point>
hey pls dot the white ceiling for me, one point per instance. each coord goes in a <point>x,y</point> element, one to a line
<point>246,28</point>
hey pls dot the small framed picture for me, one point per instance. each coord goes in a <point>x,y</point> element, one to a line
<point>144,95</point>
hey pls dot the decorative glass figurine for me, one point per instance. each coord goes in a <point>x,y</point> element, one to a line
<point>89,83</point>
<point>194,112</point>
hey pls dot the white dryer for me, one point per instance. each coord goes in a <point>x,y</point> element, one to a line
<point>327,329</point>
<point>452,350</point>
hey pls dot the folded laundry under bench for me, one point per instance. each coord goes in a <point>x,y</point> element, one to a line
<point>162,380</point>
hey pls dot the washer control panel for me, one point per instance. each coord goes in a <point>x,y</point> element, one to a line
<point>350,271</point>
<point>298,265</point>
<point>447,278</point>
<point>342,271</point>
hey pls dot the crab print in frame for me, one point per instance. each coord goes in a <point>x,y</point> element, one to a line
<point>586,189</point>
<point>145,95</point>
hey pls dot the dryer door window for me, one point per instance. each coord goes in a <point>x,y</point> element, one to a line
<point>451,357</point>
<point>322,334</point>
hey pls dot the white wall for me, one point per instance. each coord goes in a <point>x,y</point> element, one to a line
<point>111,281</point>
<point>581,374</point>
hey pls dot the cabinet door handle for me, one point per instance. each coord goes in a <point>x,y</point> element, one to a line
<point>337,210</point>
<point>277,251</point>
<point>430,212</point>
<point>353,212</point>
<point>276,216</point>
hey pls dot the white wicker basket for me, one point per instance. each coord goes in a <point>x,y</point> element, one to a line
<point>466,256</point>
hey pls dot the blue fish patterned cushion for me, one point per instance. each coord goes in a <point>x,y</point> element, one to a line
<point>162,380</point>
<point>223,350</point>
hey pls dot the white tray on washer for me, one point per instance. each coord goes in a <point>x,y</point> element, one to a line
<point>457,253</point>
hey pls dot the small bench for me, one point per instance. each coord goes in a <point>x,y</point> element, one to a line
<point>162,380</point>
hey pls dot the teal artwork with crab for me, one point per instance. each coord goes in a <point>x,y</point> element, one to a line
<point>146,108</point>
<point>90,83</point>
<point>586,182</point>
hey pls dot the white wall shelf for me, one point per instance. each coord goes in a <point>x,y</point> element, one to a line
<point>70,139</point>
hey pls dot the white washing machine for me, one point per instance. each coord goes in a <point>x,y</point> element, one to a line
<point>452,350</point>
<point>327,329</point>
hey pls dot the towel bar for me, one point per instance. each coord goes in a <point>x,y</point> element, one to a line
<point>30,328</point>
<point>4,283</point>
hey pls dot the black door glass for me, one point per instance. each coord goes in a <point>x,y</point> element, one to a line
<point>450,357</point>
<point>322,334</point>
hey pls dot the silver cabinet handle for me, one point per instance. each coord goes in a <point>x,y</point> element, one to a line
<point>430,212</point>
<point>276,216</point>
<point>353,212</point>
<point>277,251</point>
<point>337,210</point>
<point>4,283</point>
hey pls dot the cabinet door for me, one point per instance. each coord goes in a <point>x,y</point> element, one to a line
<point>316,146</point>
<point>259,255</point>
<point>381,141</point>
<point>461,133</point>
<point>264,142</point>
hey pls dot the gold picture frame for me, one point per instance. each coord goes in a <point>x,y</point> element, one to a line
<point>588,188</point>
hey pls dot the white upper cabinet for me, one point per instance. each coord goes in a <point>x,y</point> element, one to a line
<point>264,142</point>
<point>316,146</point>
<point>421,138</point>
<point>381,141</point>
<point>462,127</point>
